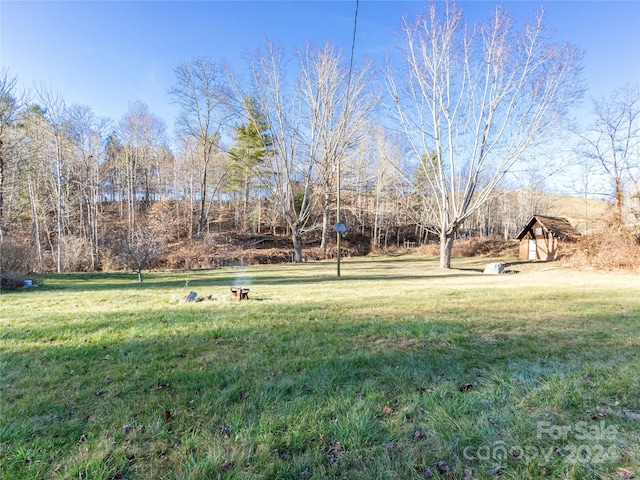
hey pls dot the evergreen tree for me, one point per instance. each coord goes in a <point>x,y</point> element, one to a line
<point>252,144</point>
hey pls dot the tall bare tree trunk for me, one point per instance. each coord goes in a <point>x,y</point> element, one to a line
<point>60,212</point>
<point>296,238</point>
<point>446,248</point>
<point>246,201</point>
<point>326,209</point>
<point>1,193</point>
<point>203,200</point>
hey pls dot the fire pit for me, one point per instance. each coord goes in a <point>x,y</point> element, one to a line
<point>239,293</point>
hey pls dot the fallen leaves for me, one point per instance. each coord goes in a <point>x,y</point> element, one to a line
<point>590,380</point>
<point>496,470</point>
<point>425,471</point>
<point>225,431</point>
<point>334,452</point>
<point>306,473</point>
<point>625,413</point>
<point>284,455</point>
<point>465,387</point>
<point>444,468</point>
<point>419,435</point>
<point>624,472</point>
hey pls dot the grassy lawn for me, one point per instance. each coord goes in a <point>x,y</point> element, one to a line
<point>396,370</point>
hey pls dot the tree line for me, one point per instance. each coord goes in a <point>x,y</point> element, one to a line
<point>418,150</point>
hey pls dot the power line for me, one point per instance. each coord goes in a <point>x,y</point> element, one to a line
<point>353,46</point>
<point>347,99</point>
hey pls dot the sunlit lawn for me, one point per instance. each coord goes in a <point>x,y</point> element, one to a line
<point>395,370</point>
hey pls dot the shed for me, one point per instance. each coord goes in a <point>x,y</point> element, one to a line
<point>541,238</point>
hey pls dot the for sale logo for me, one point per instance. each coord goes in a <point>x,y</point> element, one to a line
<point>581,442</point>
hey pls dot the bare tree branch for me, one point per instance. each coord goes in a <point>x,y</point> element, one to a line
<point>473,100</point>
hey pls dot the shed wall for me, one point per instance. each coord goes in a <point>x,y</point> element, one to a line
<point>524,249</point>
<point>546,244</point>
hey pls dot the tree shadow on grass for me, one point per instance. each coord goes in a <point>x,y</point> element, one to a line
<point>224,278</point>
<point>360,384</point>
<point>354,269</point>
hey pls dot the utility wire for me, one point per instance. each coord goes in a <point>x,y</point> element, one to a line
<point>353,46</point>
<point>347,98</point>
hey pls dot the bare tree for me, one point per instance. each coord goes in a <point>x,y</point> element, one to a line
<point>385,152</point>
<point>585,183</point>
<point>312,126</point>
<point>189,177</point>
<point>54,111</point>
<point>613,140</point>
<point>288,172</point>
<point>143,137</point>
<point>10,105</point>
<point>88,133</point>
<point>203,98</point>
<point>36,173</point>
<point>336,108</point>
<point>472,100</point>
<point>137,249</point>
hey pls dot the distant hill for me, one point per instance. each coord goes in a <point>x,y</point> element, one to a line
<point>584,216</point>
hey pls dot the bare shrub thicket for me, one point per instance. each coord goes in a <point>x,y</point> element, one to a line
<point>137,249</point>
<point>76,254</point>
<point>15,264</point>
<point>615,247</point>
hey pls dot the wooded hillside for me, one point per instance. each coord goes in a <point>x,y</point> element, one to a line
<point>306,141</point>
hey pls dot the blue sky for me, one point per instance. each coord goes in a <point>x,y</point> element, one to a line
<point>107,54</point>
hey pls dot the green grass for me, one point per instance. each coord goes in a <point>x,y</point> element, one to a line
<point>387,372</point>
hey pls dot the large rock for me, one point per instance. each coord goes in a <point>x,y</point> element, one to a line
<point>494,268</point>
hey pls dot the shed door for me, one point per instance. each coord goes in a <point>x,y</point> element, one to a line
<point>533,250</point>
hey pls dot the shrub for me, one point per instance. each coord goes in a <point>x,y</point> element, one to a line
<point>15,262</point>
<point>76,256</point>
<point>12,280</point>
<point>615,247</point>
